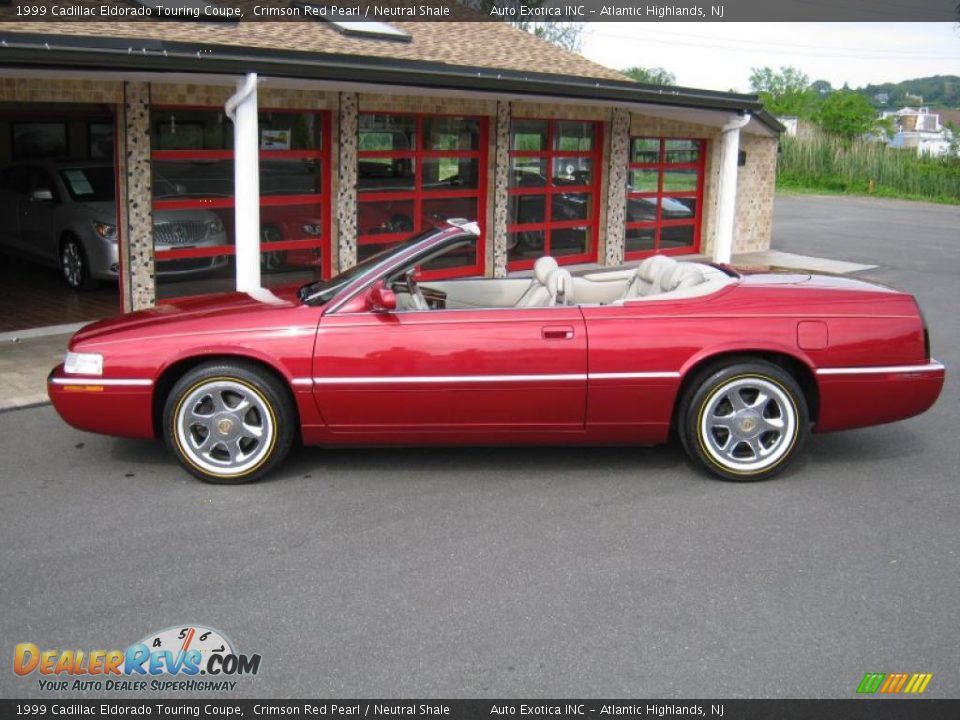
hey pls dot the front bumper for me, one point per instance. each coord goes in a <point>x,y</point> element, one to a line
<point>111,406</point>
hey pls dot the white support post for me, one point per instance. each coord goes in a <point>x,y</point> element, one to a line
<point>727,188</point>
<point>242,109</point>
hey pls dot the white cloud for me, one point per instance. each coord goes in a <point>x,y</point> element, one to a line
<point>718,56</point>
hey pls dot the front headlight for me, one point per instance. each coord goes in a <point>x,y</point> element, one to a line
<point>214,227</point>
<point>83,364</point>
<point>105,230</point>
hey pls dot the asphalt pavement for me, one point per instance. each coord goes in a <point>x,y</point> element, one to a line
<point>522,572</point>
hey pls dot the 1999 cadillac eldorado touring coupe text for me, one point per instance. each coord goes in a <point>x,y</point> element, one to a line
<point>741,367</point>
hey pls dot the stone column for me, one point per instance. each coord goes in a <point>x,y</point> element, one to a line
<point>347,190</point>
<point>135,198</point>
<point>501,194</point>
<point>617,186</point>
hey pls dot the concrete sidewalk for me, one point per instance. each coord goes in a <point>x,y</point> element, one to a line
<point>24,365</point>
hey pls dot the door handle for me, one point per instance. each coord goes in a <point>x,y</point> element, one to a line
<point>557,332</point>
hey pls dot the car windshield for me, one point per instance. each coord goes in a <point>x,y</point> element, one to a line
<point>89,184</point>
<point>323,291</point>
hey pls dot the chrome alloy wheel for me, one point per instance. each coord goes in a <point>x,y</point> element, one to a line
<point>71,262</point>
<point>748,424</point>
<point>225,427</point>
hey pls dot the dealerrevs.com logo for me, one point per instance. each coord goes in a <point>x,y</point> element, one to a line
<point>169,660</point>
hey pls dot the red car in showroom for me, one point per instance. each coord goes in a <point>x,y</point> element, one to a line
<point>742,367</point>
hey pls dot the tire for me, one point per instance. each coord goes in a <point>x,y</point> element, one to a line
<point>275,259</point>
<point>399,223</point>
<point>205,403</point>
<point>744,420</point>
<point>74,268</point>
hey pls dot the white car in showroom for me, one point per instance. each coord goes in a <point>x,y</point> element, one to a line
<point>63,214</point>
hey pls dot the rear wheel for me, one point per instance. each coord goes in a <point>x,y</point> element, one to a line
<point>229,423</point>
<point>744,420</point>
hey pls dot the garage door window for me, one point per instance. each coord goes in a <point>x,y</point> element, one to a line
<point>193,189</point>
<point>414,172</point>
<point>664,196</point>
<point>554,191</point>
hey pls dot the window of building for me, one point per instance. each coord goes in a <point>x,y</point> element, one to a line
<point>414,172</point>
<point>554,191</point>
<point>192,153</point>
<point>664,196</point>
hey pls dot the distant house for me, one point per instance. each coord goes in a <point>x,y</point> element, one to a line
<point>919,128</point>
<point>796,127</point>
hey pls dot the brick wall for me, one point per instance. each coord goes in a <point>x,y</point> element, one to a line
<point>753,226</point>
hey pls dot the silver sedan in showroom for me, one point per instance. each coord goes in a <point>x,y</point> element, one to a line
<point>62,214</point>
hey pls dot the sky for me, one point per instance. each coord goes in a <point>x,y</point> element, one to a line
<point>718,56</point>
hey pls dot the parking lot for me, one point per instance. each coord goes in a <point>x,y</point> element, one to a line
<point>523,572</point>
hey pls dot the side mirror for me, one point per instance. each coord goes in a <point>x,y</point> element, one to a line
<point>42,194</point>
<point>382,298</point>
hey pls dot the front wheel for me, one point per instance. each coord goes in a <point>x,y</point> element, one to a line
<point>229,423</point>
<point>744,421</point>
<point>73,265</point>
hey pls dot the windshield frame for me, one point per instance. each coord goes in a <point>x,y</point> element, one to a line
<point>345,288</point>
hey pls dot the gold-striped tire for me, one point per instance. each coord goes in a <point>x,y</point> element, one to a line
<point>229,422</point>
<point>744,420</point>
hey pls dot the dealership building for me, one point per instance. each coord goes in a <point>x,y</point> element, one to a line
<point>263,153</point>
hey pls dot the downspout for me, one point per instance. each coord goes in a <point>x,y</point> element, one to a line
<point>727,187</point>
<point>242,109</point>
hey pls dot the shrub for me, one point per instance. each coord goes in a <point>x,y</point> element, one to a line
<point>827,162</point>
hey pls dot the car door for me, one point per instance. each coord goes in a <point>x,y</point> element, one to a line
<point>15,184</point>
<point>38,217</point>
<point>498,371</point>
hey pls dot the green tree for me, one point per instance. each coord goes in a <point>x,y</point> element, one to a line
<point>650,76</point>
<point>822,88</point>
<point>568,35</point>
<point>787,92</point>
<point>847,114</point>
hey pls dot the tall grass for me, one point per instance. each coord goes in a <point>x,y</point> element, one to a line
<point>827,163</point>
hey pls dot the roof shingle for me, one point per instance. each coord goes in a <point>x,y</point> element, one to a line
<point>473,44</point>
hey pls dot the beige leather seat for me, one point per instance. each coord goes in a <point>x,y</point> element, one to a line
<point>646,280</point>
<point>680,277</point>
<point>536,294</point>
<point>560,288</point>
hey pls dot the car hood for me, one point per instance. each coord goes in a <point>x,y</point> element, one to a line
<point>196,314</point>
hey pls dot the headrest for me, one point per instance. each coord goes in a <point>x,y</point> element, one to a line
<point>651,269</point>
<point>543,267</point>
<point>560,286</point>
<point>680,276</point>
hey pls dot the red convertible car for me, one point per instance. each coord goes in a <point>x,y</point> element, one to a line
<point>742,367</point>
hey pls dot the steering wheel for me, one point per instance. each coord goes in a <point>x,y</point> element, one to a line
<point>416,295</point>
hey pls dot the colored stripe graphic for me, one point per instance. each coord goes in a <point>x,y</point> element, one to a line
<point>894,683</point>
<point>918,683</point>
<point>870,683</point>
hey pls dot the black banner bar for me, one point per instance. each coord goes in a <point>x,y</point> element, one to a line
<point>853,709</point>
<point>367,11</point>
